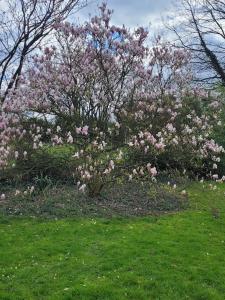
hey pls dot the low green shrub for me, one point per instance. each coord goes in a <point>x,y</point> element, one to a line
<point>55,163</point>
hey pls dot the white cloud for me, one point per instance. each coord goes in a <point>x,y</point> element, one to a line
<point>3,4</point>
<point>132,13</point>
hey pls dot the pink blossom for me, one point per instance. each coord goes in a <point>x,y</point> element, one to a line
<point>82,188</point>
<point>84,130</point>
<point>153,172</point>
<point>3,197</point>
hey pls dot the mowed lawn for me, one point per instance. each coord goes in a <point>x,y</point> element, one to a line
<point>174,256</point>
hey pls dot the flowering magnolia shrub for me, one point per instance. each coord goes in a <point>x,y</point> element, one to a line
<point>99,164</point>
<point>128,109</point>
<point>96,167</point>
<point>177,133</point>
<point>89,75</point>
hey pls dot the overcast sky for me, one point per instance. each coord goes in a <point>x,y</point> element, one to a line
<point>133,13</point>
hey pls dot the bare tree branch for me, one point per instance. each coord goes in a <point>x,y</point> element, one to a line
<point>23,26</point>
<point>202,31</point>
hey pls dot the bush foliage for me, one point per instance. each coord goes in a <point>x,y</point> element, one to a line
<point>100,106</point>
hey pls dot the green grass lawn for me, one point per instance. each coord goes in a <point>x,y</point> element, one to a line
<point>174,256</point>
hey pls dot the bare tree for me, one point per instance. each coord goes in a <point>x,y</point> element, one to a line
<point>200,28</point>
<point>23,25</point>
